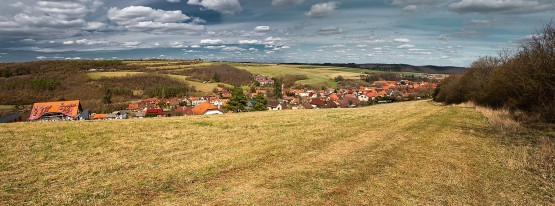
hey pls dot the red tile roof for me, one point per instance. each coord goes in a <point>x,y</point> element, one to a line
<point>68,108</point>
<point>202,108</point>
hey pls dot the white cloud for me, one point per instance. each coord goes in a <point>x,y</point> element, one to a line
<point>68,42</point>
<point>132,44</point>
<point>417,2</point>
<point>262,28</point>
<point>95,26</point>
<point>501,6</point>
<point>136,14</point>
<point>413,5</point>
<point>211,41</point>
<point>410,8</point>
<point>41,57</point>
<point>322,10</point>
<point>146,19</point>
<point>249,42</point>
<point>195,46</point>
<point>174,1</point>
<point>228,7</point>
<point>46,17</point>
<point>401,40</point>
<point>233,48</point>
<point>286,2</point>
<point>405,46</point>
<point>328,30</point>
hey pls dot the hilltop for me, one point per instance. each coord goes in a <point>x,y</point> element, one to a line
<point>428,69</point>
<point>412,153</point>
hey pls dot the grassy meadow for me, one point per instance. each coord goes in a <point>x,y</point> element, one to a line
<point>318,76</point>
<point>98,75</point>
<point>413,153</point>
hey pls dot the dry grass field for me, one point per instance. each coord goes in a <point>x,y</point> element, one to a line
<point>98,75</point>
<point>413,153</point>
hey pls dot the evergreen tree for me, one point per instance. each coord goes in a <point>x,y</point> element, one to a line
<point>107,99</point>
<point>238,101</point>
<point>277,88</point>
<point>261,103</point>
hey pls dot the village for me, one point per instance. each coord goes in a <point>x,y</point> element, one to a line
<point>260,98</point>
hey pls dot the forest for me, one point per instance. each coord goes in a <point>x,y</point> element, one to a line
<point>521,80</point>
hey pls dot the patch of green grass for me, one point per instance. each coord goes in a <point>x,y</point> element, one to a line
<point>413,153</point>
<point>205,88</point>
<point>6,107</point>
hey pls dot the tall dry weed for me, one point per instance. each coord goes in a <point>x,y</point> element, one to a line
<point>501,118</point>
<point>545,159</point>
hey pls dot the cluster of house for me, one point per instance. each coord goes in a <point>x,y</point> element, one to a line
<point>211,105</point>
<point>263,80</point>
<point>345,98</point>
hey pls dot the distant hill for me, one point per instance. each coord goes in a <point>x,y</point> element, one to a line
<point>419,69</point>
<point>430,69</point>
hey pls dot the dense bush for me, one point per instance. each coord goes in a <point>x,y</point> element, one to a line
<point>41,67</point>
<point>166,92</point>
<point>290,79</point>
<point>141,81</point>
<point>524,80</point>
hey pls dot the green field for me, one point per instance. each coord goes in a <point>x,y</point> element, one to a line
<point>317,76</point>
<point>199,86</point>
<point>413,153</point>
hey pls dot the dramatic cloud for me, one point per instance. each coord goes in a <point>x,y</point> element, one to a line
<point>322,10</point>
<point>285,2</point>
<point>364,31</point>
<point>501,6</point>
<point>211,41</point>
<point>141,18</point>
<point>48,17</point>
<point>262,28</point>
<point>228,7</point>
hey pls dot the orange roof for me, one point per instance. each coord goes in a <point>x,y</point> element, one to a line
<point>202,108</point>
<point>68,108</point>
<point>133,106</point>
<point>99,116</point>
<point>334,97</point>
<point>382,93</point>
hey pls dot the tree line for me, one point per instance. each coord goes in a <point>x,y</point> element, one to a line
<point>519,80</point>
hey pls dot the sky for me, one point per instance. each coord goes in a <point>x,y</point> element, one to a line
<point>418,32</point>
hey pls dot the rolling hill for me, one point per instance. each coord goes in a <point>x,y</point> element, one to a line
<point>428,69</point>
<point>412,153</point>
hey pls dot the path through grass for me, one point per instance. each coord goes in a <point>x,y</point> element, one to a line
<point>402,154</point>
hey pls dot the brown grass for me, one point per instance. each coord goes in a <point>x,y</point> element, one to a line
<point>412,153</point>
